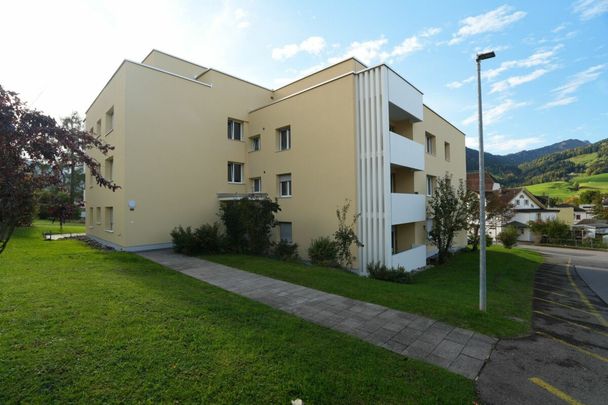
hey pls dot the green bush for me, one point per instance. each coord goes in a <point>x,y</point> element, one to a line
<point>285,250</point>
<point>489,241</point>
<point>508,236</point>
<point>323,251</point>
<point>209,239</point>
<point>184,241</point>
<point>379,271</point>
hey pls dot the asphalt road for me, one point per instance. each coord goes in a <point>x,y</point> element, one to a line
<point>565,360</point>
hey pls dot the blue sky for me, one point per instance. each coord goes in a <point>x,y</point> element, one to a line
<point>549,81</point>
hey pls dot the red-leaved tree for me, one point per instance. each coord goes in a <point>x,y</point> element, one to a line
<point>34,151</point>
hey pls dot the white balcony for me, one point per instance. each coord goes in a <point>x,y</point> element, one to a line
<point>411,259</point>
<point>406,153</point>
<point>405,96</point>
<point>406,208</point>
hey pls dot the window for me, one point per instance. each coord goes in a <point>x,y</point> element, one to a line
<point>91,219</point>
<point>235,172</point>
<point>394,239</point>
<point>235,130</point>
<point>538,217</point>
<point>430,144</point>
<point>430,185</point>
<point>98,215</point>
<point>285,185</point>
<point>446,147</point>
<point>109,120</point>
<point>109,219</point>
<point>98,127</point>
<point>518,201</point>
<point>285,230</point>
<point>578,216</point>
<point>256,143</point>
<point>256,185</point>
<point>284,138</point>
<point>109,169</point>
<point>526,202</point>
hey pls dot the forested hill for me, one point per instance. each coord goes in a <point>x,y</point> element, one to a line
<point>550,163</point>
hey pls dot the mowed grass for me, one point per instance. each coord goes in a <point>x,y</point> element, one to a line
<point>560,189</point>
<point>89,326</point>
<point>449,292</point>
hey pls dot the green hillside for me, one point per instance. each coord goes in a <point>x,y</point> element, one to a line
<point>564,189</point>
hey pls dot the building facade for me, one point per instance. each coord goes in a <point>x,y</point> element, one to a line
<point>187,137</point>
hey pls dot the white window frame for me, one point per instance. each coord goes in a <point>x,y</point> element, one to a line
<point>285,178</point>
<point>447,151</point>
<point>98,215</point>
<point>253,184</point>
<point>232,172</point>
<point>255,141</point>
<point>287,131</point>
<point>232,135</point>
<point>109,219</point>
<point>430,143</point>
<point>290,240</point>
<point>109,120</point>
<point>430,185</point>
<point>109,168</point>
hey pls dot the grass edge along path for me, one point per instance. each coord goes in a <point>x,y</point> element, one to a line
<point>83,325</point>
<point>447,293</point>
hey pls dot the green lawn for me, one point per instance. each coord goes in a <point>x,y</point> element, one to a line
<point>81,325</point>
<point>448,293</point>
<point>560,189</point>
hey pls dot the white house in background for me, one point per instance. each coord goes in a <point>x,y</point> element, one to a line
<point>592,228</point>
<point>526,208</point>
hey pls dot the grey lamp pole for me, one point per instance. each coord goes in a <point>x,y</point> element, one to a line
<point>482,190</point>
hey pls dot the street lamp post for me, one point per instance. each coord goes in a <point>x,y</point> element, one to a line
<point>482,190</point>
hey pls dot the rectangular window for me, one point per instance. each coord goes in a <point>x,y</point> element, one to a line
<point>430,144</point>
<point>255,143</point>
<point>285,185</point>
<point>98,127</point>
<point>91,220</point>
<point>109,169</point>
<point>285,231</point>
<point>526,202</point>
<point>109,218</point>
<point>98,215</point>
<point>430,185</point>
<point>256,185</point>
<point>235,130</point>
<point>446,147</point>
<point>578,216</point>
<point>517,202</point>
<point>284,140</point>
<point>110,120</point>
<point>235,172</point>
<point>394,239</point>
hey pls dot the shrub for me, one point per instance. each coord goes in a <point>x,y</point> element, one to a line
<point>184,241</point>
<point>323,251</point>
<point>489,241</point>
<point>508,236</point>
<point>379,271</point>
<point>285,250</point>
<point>345,236</point>
<point>208,239</point>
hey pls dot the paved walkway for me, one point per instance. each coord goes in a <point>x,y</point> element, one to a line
<point>458,350</point>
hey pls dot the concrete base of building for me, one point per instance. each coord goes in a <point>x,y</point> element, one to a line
<point>138,248</point>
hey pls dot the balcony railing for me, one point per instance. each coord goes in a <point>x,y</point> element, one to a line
<point>411,259</point>
<point>407,208</point>
<point>406,153</point>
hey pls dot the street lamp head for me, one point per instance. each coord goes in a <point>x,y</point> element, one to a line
<point>485,55</point>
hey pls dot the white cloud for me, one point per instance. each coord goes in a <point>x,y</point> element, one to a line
<point>409,45</point>
<point>312,45</point>
<point>504,144</point>
<point>240,17</point>
<point>429,32</point>
<point>459,84</point>
<point>366,51</point>
<point>564,93</point>
<point>559,28</point>
<point>517,80</point>
<point>492,21</point>
<point>496,113</point>
<point>588,9</point>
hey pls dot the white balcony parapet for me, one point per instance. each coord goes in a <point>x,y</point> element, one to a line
<point>405,96</point>
<point>407,208</point>
<point>406,153</point>
<point>411,259</point>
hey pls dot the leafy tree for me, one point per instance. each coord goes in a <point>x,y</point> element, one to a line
<point>508,237</point>
<point>551,228</point>
<point>34,151</point>
<point>450,210</point>
<point>590,196</point>
<point>498,213</point>
<point>599,211</point>
<point>345,236</point>
<point>75,172</point>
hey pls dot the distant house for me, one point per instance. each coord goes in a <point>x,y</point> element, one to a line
<point>473,182</point>
<point>527,207</point>
<point>571,214</point>
<point>592,229</point>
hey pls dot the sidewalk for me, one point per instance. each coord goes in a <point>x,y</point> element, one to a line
<point>458,350</point>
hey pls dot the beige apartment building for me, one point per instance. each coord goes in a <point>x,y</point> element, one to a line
<point>187,137</point>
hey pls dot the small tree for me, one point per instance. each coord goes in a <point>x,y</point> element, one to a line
<point>346,236</point>
<point>599,211</point>
<point>34,152</point>
<point>498,212</point>
<point>450,209</point>
<point>589,196</point>
<point>551,228</point>
<point>508,237</point>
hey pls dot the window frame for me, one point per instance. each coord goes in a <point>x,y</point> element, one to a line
<point>253,183</point>
<point>447,153</point>
<point>289,185</point>
<point>109,118</point>
<point>109,210</point>
<point>280,132</point>
<point>255,140</point>
<point>231,131</point>
<point>430,185</point>
<point>281,224</point>
<point>231,173</point>
<point>430,144</point>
